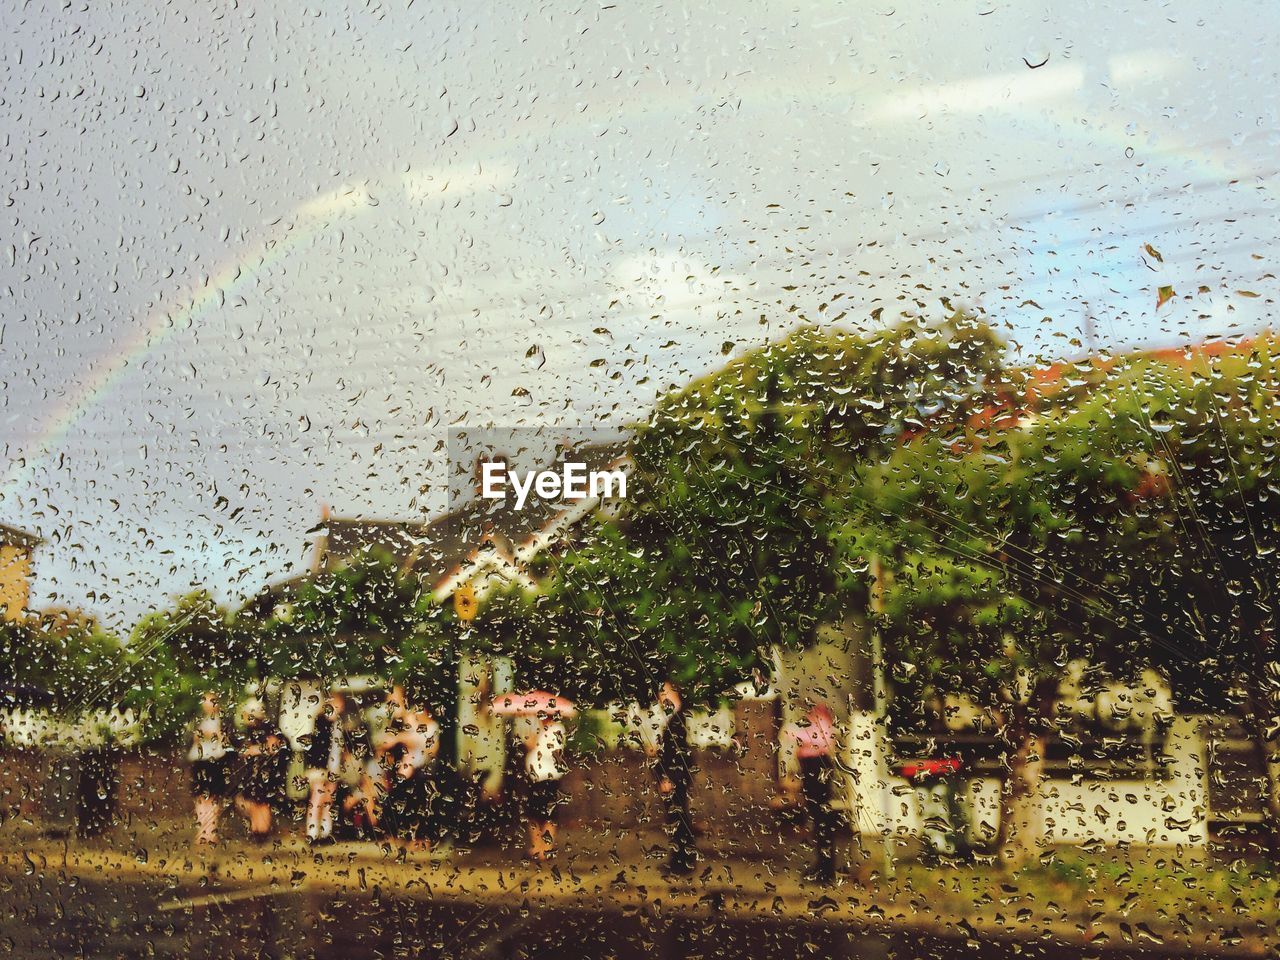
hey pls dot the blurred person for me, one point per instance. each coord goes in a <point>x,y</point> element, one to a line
<point>386,721</point>
<point>210,757</point>
<point>349,807</point>
<point>816,742</point>
<point>324,758</point>
<point>544,767</point>
<point>674,774</point>
<point>409,813</point>
<point>263,765</point>
<point>385,718</point>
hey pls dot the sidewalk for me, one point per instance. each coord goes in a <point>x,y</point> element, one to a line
<point>1122,904</point>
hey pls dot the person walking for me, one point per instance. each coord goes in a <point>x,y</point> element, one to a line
<point>674,775</point>
<point>815,749</point>
<point>410,813</point>
<point>264,765</point>
<point>210,756</point>
<point>349,804</point>
<point>386,723</point>
<point>323,758</point>
<point>544,767</point>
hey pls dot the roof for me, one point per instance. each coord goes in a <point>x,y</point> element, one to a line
<point>12,536</point>
<point>438,548</point>
<point>1033,388</point>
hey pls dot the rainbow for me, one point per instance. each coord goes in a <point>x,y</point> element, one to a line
<point>311,217</point>
<point>306,222</point>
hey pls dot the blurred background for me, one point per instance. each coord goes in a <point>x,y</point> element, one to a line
<point>259,258</point>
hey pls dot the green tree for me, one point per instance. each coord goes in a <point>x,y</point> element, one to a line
<point>624,619</point>
<point>178,654</point>
<point>341,623</point>
<point>1210,423</point>
<point>79,666</point>
<point>1008,551</point>
<point>730,527</point>
<point>724,547</point>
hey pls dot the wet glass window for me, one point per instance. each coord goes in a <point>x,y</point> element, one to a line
<point>633,480</point>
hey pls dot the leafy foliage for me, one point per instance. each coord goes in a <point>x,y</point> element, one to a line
<point>76,667</point>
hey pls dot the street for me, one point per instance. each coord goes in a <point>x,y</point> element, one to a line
<point>148,893</point>
<point>100,919</point>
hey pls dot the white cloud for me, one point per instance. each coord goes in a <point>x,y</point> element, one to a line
<point>983,93</point>
<point>1137,66</point>
<point>346,197</point>
<point>438,182</point>
<point>673,281</point>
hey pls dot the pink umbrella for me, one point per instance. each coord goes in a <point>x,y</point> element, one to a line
<point>531,703</point>
<point>816,737</point>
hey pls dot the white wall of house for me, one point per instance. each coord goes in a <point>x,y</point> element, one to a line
<point>1160,812</point>
<point>482,737</point>
<point>299,706</point>
<point>27,728</point>
<point>1168,811</point>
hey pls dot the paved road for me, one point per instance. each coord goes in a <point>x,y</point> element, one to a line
<point>45,915</point>
<point>244,897</point>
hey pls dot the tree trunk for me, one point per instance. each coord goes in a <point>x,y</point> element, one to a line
<point>1264,730</point>
<point>98,791</point>
<point>1020,833</point>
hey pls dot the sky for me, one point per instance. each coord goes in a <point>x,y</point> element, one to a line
<point>258,259</point>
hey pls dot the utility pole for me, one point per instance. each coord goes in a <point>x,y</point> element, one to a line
<point>880,711</point>
<point>1090,332</point>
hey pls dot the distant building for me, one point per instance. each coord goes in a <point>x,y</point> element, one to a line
<point>485,543</point>
<point>64,621</point>
<point>16,548</point>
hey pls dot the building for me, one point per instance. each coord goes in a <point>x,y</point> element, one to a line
<point>16,549</point>
<point>483,544</point>
<point>1138,774</point>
